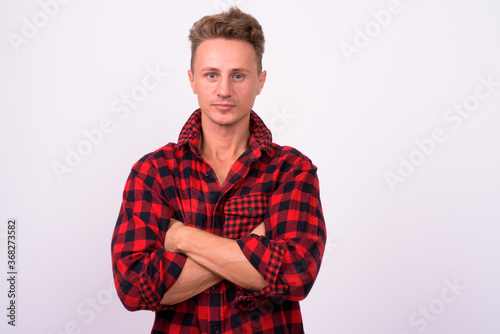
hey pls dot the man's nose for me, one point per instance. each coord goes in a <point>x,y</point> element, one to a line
<point>224,88</point>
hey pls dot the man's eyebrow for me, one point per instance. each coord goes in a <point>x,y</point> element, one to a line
<point>213,69</point>
<point>240,70</point>
<point>210,69</point>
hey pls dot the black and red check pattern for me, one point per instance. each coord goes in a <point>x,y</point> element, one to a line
<point>270,183</point>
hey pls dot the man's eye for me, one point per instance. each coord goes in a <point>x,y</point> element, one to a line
<point>211,76</point>
<point>238,76</point>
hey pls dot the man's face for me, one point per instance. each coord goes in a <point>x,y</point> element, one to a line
<point>226,80</point>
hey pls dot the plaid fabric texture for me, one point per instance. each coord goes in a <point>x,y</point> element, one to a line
<point>270,183</point>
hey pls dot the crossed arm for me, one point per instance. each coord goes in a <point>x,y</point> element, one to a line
<point>210,259</point>
<point>145,265</point>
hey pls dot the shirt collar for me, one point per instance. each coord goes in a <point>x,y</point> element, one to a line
<point>260,135</point>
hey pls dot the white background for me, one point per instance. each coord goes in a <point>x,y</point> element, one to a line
<point>391,253</point>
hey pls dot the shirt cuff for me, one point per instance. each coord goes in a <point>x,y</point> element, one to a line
<point>266,256</point>
<point>170,270</point>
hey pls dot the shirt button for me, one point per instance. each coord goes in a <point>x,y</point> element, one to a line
<point>251,210</point>
<point>215,288</point>
<point>216,330</point>
<point>208,174</point>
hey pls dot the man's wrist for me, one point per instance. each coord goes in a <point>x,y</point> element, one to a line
<point>175,236</point>
<point>190,240</point>
<point>184,236</point>
<point>179,238</point>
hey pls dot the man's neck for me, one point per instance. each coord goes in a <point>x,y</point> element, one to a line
<point>223,143</point>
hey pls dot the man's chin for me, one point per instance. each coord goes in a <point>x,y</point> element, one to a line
<point>224,118</point>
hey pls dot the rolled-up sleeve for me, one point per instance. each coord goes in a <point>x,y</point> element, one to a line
<point>143,271</point>
<point>289,256</point>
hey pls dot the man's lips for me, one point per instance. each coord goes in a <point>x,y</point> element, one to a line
<point>224,106</point>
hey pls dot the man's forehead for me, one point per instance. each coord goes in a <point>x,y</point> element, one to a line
<point>224,54</point>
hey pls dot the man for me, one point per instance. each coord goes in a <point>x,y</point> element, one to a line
<point>222,232</point>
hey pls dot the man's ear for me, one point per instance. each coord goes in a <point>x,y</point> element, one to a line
<point>191,81</point>
<point>262,81</point>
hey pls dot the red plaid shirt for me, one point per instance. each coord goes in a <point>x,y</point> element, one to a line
<point>270,183</point>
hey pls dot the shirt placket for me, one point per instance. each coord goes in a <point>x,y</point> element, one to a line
<point>209,301</point>
<point>212,299</point>
<point>217,313</point>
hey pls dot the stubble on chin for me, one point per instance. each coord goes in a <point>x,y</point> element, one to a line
<point>225,118</point>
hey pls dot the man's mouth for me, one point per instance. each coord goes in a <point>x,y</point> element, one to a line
<point>224,106</point>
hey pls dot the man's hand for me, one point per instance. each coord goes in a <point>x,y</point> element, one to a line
<point>172,237</point>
